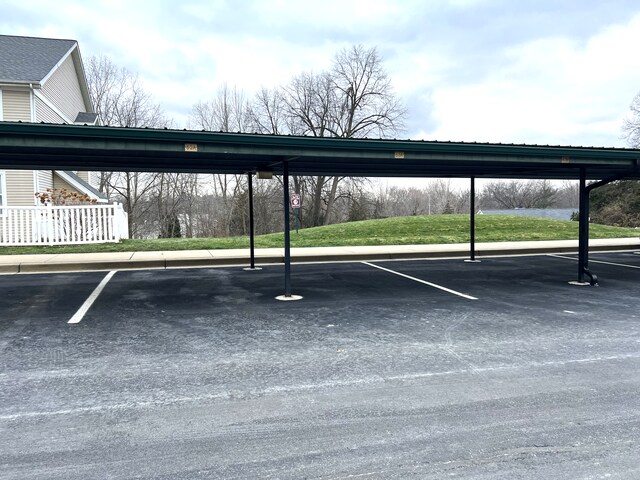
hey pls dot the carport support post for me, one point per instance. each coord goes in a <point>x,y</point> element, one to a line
<point>287,233</point>
<point>251,231</point>
<point>583,235</point>
<point>472,220</point>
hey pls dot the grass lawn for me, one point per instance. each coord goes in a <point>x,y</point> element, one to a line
<point>433,229</point>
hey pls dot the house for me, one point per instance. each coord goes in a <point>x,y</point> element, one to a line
<point>43,80</point>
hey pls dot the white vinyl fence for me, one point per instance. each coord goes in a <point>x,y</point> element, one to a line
<point>62,225</point>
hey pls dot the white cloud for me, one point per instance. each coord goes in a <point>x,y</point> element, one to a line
<point>473,70</point>
<point>550,90</point>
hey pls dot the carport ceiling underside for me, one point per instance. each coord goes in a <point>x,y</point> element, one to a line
<point>75,147</point>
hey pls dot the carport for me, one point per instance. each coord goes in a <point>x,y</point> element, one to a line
<point>74,147</point>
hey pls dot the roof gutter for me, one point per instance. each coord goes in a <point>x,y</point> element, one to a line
<point>25,83</point>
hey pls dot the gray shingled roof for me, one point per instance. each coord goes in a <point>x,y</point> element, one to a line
<point>29,59</point>
<point>86,118</point>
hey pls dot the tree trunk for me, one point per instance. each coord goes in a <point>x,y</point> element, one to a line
<point>316,210</point>
<point>331,200</point>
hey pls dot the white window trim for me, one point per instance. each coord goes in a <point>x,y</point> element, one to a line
<point>1,106</point>
<point>32,105</point>
<point>3,190</point>
<point>36,186</point>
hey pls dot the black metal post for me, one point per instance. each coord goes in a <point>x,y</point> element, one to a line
<point>251,230</point>
<point>287,233</point>
<point>583,235</point>
<point>472,220</point>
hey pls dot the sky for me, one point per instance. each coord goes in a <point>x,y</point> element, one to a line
<point>558,72</point>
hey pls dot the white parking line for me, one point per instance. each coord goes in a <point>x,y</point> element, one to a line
<point>596,261</point>
<point>439,287</point>
<point>79,315</point>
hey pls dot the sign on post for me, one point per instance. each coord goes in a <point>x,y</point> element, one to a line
<point>296,201</point>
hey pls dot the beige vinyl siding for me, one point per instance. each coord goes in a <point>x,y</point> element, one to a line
<point>16,105</point>
<point>20,188</point>
<point>92,178</point>
<point>62,89</point>
<point>45,180</point>
<point>45,114</point>
<point>59,184</point>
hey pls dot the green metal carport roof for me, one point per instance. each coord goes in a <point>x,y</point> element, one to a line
<point>75,147</point>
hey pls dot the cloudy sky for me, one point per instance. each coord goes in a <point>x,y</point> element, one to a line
<point>522,71</point>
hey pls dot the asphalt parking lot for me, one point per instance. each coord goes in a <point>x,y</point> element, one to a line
<point>422,369</point>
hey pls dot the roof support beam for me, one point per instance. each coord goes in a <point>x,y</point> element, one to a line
<point>602,183</point>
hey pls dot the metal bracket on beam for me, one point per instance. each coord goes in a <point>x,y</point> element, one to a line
<point>606,181</point>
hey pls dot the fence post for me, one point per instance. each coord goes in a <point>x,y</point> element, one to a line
<point>115,230</point>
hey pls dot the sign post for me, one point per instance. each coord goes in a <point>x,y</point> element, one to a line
<point>296,202</point>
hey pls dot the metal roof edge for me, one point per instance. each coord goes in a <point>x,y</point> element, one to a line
<point>296,140</point>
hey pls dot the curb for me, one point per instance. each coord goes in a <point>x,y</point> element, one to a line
<point>298,257</point>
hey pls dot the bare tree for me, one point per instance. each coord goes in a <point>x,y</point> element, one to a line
<point>618,203</point>
<point>407,201</point>
<point>567,195</point>
<point>134,190</point>
<point>119,97</point>
<point>227,189</point>
<point>519,194</point>
<point>120,100</point>
<point>353,99</point>
<point>225,112</point>
<point>443,198</point>
<point>309,99</point>
<point>267,113</point>
<point>631,125</point>
<point>364,100</point>
<point>175,195</point>
<point>436,197</point>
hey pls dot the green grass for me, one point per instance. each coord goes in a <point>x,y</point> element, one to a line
<point>434,229</point>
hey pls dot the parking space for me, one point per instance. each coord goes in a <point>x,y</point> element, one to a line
<point>497,369</point>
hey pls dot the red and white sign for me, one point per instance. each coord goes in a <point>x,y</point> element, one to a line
<point>296,200</point>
